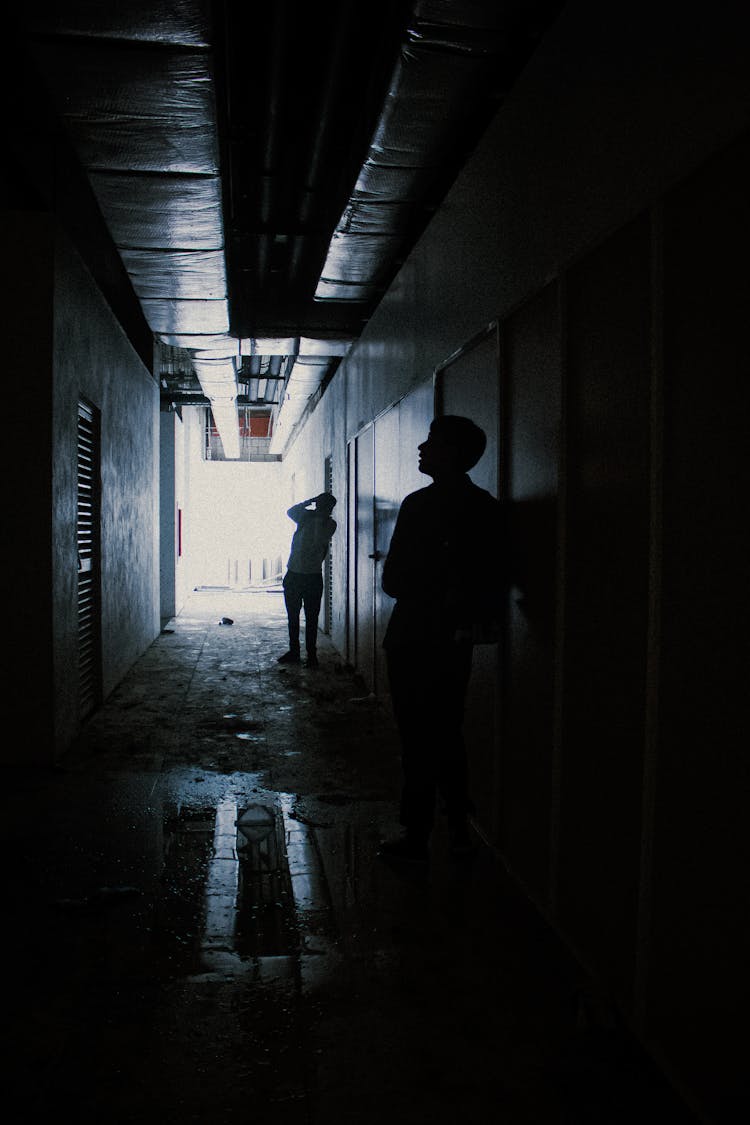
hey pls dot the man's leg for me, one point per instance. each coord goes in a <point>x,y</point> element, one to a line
<point>414,699</point>
<point>428,691</point>
<point>293,603</point>
<point>451,764</point>
<point>312,597</point>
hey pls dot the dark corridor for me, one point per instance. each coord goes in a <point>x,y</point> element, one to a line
<point>200,932</point>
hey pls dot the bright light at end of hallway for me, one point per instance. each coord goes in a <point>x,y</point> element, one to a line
<point>238,526</point>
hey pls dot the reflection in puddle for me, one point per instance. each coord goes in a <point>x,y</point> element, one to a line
<point>258,870</point>
<point>266,925</point>
<point>222,882</point>
<point>256,823</point>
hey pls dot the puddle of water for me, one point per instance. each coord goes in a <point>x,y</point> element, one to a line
<point>256,822</point>
<point>240,879</point>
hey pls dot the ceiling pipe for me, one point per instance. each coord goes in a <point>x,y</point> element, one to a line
<point>318,148</point>
<point>272,142</point>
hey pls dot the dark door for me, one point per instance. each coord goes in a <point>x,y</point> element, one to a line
<point>362,527</point>
<point>328,562</point>
<point>386,504</point>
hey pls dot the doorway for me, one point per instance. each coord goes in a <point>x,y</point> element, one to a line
<point>328,561</point>
<point>382,467</point>
<point>361,530</point>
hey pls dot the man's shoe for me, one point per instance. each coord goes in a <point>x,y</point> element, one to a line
<point>289,658</point>
<point>312,661</point>
<point>405,849</point>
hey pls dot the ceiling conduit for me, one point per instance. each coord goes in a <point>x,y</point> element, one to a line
<point>456,59</point>
<point>133,85</point>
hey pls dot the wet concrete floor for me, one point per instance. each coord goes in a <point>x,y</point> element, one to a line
<point>198,929</point>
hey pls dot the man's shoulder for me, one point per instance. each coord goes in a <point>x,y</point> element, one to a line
<point>431,495</point>
<point>419,497</point>
<point>317,523</point>
<point>483,496</point>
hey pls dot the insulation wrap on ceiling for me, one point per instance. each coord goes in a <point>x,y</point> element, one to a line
<point>448,65</point>
<point>185,273</point>
<point>305,378</point>
<point>177,22</point>
<point>178,212</point>
<point>217,343</point>
<point>133,84</point>
<point>134,108</point>
<point>171,316</point>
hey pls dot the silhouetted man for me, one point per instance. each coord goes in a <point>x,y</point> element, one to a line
<point>303,581</point>
<point>443,568</point>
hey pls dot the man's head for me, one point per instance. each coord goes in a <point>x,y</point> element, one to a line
<point>326,502</point>
<point>454,445</point>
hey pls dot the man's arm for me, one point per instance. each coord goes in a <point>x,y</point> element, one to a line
<point>298,512</point>
<point>404,569</point>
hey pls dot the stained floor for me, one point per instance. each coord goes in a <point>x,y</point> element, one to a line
<point>198,930</point>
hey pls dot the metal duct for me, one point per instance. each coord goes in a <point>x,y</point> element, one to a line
<point>324,161</point>
<point>306,377</point>
<point>457,60</point>
<point>133,85</point>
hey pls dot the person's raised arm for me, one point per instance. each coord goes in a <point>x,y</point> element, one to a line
<point>298,512</point>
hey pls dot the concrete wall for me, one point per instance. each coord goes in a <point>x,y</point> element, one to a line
<point>183,584</point>
<point>93,359</point>
<point>65,344</point>
<point>174,485</point>
<point>169,443</point>
<point>189,455</point>
<point>601,225</point>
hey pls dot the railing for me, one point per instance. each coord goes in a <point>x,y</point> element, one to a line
<point>272,572</point>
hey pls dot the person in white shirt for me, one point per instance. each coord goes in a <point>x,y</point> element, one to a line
<point>303,581</point>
